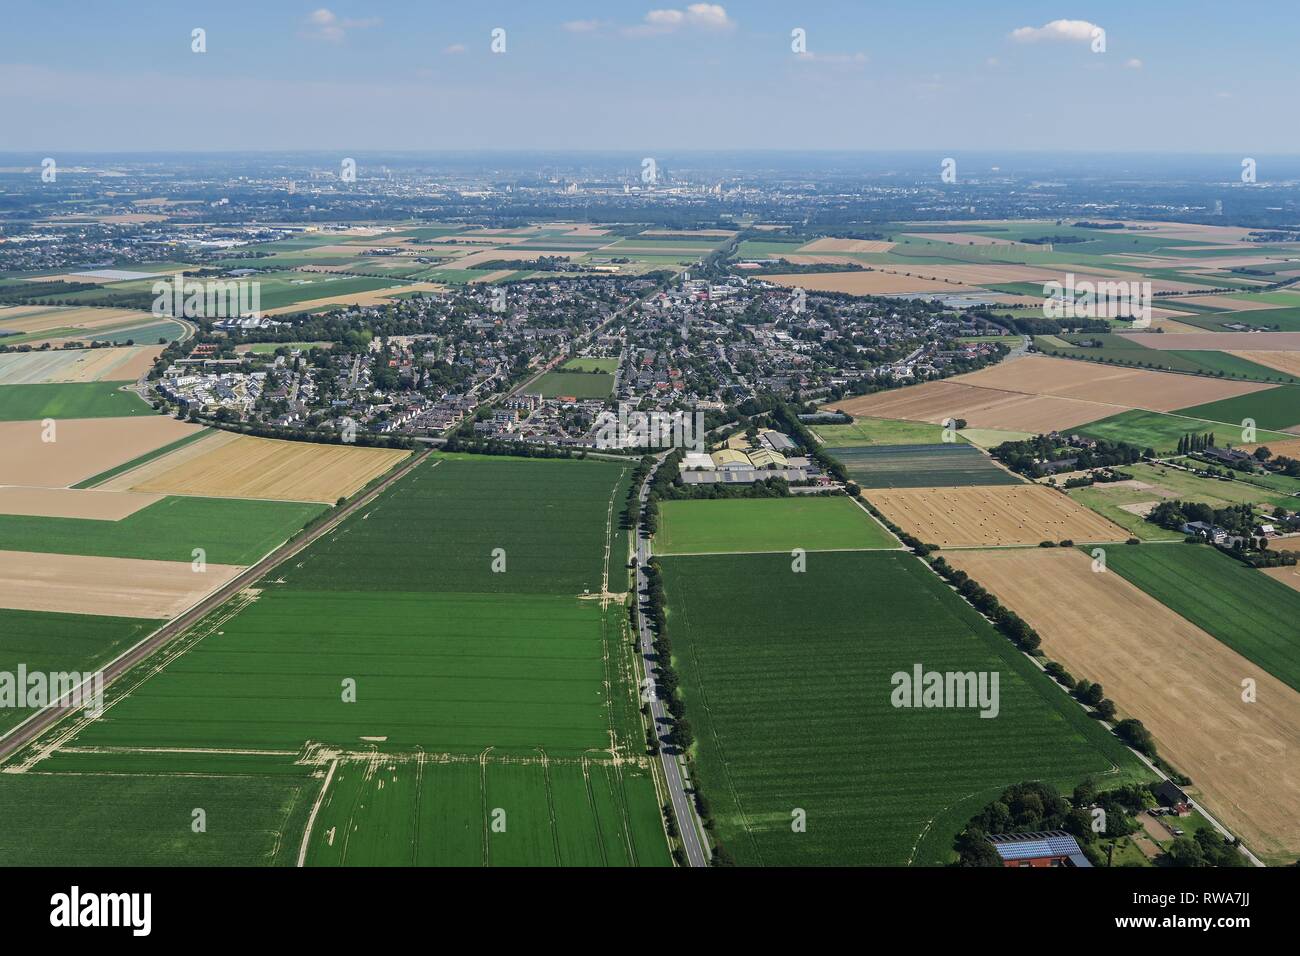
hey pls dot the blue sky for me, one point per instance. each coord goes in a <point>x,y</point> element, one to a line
<point>579,74</point>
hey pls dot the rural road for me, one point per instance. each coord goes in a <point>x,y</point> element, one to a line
<point>33,726</point>
<point>688,822</point>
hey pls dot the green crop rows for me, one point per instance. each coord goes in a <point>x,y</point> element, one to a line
<point>788,685</point>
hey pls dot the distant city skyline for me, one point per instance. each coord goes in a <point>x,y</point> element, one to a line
<point>639,76</point>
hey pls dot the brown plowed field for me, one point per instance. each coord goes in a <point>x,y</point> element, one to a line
<point>1288,576</point>
<point>72,503</point>
<point>846,245</point>
<point>1287,362</point>
<point>994,408</point>
<point>83,447</point>
<point>1201,340</point>
<point>983,516</point>
<point>117,587</point>
<point>1178,680</point>
<point>1093,382</point>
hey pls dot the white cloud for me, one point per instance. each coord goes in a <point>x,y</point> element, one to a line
<point>705,16</point>
<point>582,26</point>
<point>1134,64</point>
<point>454,48</point>
<point>325,24</point>
<point>1072,31</point>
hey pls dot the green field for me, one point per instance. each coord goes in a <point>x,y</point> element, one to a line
<point>575,384</point>
<point>1248,611</point>
<point>45,641</point>
<point>426,812</point>
<point>438,528</point>
<point>20,403</point>
<point>1275,408</point>
<point>767,524</point>
<point>922,466</point>
<point>388,657</point>
<point>879,431</point>
<point>60,819</point>
<point>1215,492</point>
<point>1280,320</point>
<point>229,530</point>
<point>787,681</point>
<point>1106,500</point>
<point>442,672</point>
<point>592,365</point>
<point>1130,350</point>
<point>1161,431</point>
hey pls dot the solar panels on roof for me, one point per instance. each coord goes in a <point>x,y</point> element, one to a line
<point>1028,846</point>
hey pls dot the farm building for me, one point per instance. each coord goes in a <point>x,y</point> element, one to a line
<point>1050,848</point>
<point>1170,795</point>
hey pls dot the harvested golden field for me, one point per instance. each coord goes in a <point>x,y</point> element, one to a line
<point>375,297</point>
<point>846,245</point>
<point>72,503</point>
<point>876,282</point>
<point>27,318</point>
<point>1184,685</point>
<point>991,408</point>
<point>1280,449</point>
<point>1288,576</point>
<point>1222,302</point>
<point>684,233</point>
<point>83,447</point>
<point>1287,362</point>
<point>49,366</point>
<point>241,466</point>
<point>1115,385</point>
<point>117,587</point>
<point>1203,341</point>
<point>507,255</point>
<point>983,516</point>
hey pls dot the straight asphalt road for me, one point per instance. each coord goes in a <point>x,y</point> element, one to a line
<point>688,822</point>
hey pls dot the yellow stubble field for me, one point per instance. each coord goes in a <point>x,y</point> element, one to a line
<point>243,466</point>
<point>1183,685</point>
<point>991,516</point>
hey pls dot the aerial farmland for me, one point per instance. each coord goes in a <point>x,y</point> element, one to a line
<point>610,436</point>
